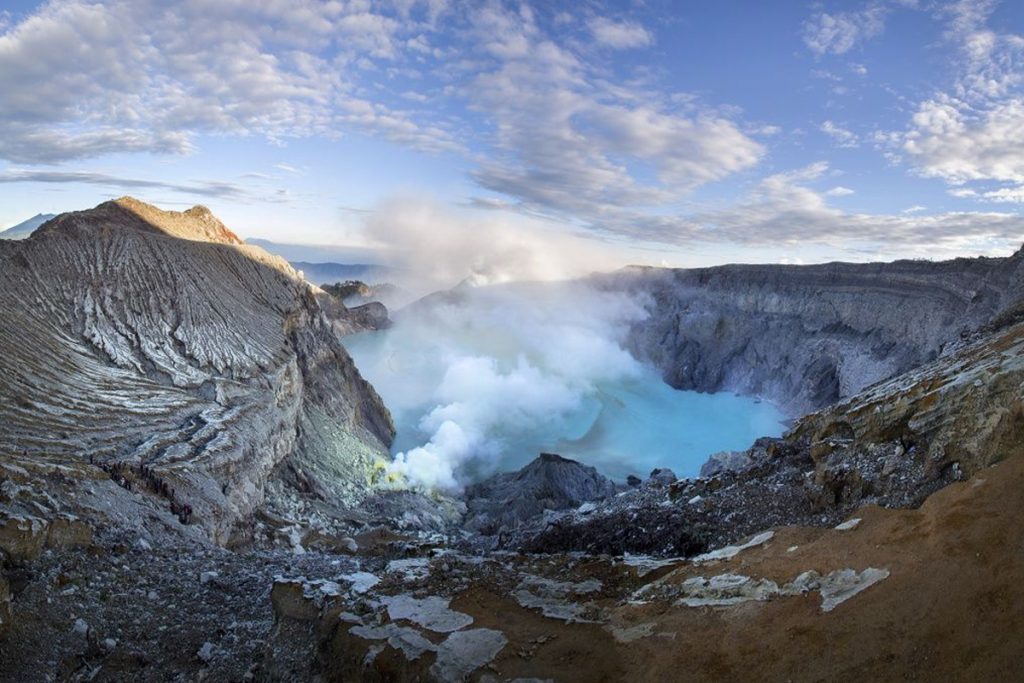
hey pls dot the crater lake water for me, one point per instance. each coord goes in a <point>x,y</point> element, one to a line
<point>481,398</point>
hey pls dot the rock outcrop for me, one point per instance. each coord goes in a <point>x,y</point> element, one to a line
<point>550,482</point>
<point>158,349</point>
<point>807,336</point>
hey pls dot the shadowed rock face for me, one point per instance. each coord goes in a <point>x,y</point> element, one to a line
<point>806,336</point>
<point>161,348</point>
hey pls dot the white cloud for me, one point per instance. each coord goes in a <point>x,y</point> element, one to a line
<point>839,191</point>
<point>841,136</point>
<point>1006,194</point>
<point>782,210</point>
<point>619,35</point>
<point>916,208</point>
<point>957,143</point>
<point>838,33</point>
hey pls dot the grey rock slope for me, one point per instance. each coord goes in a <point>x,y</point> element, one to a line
<point>806,336</point>
<point>158,346</point>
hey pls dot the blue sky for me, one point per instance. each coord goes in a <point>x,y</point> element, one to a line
<point>662,132</point>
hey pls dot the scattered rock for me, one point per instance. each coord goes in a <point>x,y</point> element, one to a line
<point>431,613</point>
<point>839,586</point>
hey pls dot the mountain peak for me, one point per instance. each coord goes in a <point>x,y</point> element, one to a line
<point>197,224</point>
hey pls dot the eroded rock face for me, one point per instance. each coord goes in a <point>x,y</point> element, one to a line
<point>189,366</point>
<point>806,336</point>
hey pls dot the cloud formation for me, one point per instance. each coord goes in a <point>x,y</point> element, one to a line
<point>972,134</point>
<point>553,114</point>
<point>619,35</point>
<point>841,136</point>
<point>837,33</point>
<point>209,188</point>
<point>83,79</point>
<point>567,140</point>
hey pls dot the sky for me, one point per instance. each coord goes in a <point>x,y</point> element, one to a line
<point>655,131</point>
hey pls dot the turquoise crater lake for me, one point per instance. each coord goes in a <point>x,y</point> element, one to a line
<point>469,407</point>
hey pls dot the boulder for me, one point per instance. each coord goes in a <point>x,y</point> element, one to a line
<point>662,476</point>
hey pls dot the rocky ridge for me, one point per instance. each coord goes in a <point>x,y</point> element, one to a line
<point>156,353</point>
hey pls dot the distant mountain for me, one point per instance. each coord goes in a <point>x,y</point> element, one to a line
<point>26,228</point>
<point>330,273</point>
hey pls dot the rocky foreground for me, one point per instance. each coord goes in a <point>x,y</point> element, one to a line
<point>190,483</point>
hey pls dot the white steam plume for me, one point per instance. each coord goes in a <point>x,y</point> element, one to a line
<point>497,373</point>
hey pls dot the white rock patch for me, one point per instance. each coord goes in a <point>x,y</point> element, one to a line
<point>431,613</point>
<point>731,551</point>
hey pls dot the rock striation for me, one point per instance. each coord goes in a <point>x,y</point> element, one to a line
<point>156,347</point>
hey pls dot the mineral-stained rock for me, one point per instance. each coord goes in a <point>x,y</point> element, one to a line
<point>22,538</point>
<point>958,413</point>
